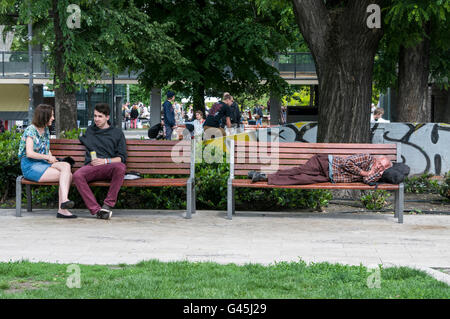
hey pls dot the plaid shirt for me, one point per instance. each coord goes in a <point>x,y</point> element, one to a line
<point>348,169</point>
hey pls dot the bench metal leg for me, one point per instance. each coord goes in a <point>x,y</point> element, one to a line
<point>19,196</point>
<point>194,207</point>
<point>230,200</point>
<point>189,199</point>
<point>399,203</point>
<point>29,198</point>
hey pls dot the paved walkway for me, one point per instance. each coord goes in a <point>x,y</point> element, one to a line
<point>251,237</point>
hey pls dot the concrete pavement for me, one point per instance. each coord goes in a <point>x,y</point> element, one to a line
<point>251,237</point>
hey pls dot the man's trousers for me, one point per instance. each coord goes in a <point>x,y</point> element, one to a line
<point>114,173</point>
<point>315,170</point>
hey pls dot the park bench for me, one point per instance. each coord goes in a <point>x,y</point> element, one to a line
<point>244,158</point>
<point>173,158</point>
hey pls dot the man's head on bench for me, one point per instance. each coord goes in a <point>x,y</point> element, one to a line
<point>383,162</point>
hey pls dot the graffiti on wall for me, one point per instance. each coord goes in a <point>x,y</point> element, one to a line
<point>425,147</point>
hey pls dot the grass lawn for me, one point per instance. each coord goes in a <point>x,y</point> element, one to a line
<point>154,279</point>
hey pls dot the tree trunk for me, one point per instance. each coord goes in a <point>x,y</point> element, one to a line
<point>345,91</point>
<point>343,47</point>
<point>65,98</point>
<point>414,68</point>
<point>199,97</point>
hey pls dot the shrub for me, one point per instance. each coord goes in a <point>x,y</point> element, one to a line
<point>73,134</point>
<point>375,200</point>
<point>9,162</point>
<point>422,184</point>
<point>445,187</point>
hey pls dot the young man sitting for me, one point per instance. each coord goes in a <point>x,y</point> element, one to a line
<point>105,159</point>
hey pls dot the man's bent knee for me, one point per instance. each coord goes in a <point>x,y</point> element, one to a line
<point>77,177</point>
<point>120,168</point>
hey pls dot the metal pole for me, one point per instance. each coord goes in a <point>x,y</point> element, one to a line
<point>128,93</point>
<point>30,77</point>
<point>113,109</point>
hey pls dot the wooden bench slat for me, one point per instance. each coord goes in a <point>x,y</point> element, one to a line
<point>157,165</point>
<point>162,171</point>
<point>143,182</point>
<point>67,147</point>
<point>261,167</point>
<point>342,152</point>
<point>362,186</point>
<point>154,148</point>
<point>321,145</point>
<point>156,154</point>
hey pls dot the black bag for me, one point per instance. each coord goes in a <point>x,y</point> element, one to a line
<point>154,130</point>
<point>67,159</point>
<point>396,174</point>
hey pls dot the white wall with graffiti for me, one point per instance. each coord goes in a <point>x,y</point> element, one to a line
<point>425,147</point>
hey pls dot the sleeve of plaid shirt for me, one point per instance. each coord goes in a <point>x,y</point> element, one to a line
<point>373,177</point>
<point>356,163</point>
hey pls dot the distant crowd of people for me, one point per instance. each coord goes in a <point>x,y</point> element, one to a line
<point>222,118</point>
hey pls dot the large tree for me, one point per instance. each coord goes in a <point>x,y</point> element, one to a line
<point>415,51</point>
<point>343,47</point>
<point>226,44</point>
<point>108,37</point>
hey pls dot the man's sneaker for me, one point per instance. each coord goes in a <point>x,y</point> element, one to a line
<point>105,212</point>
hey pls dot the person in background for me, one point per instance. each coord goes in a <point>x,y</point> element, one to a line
<point>190,112</point>
<point>376,117</point>
<point>2,127</point>
<point>157,131</point>
<point>283,115</point>
<point>235,115</point>
<point>37,162</point>
<point>134,114</point>
<point>198,123</point>
<point>218,114</point>
<point>258,114</point>
<point>169,115</point>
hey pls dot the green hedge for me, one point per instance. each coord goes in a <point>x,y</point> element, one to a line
<point>9,163</point>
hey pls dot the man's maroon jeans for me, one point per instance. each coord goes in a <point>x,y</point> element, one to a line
<point>113,172</point>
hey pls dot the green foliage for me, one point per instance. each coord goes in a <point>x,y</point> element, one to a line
<point>405,25</point>
<point>299,97</point>
<point>445,187</point>
<point>375,200</point>
<point>422,184</point>
<point>225,44</point>
<point>139,93</point>
<point>9,162</point>
<point>73,134</point>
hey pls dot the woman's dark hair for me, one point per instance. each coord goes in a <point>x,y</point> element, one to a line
<point>102,108</point>
<point>42,115</point>
<point>200,112</point>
